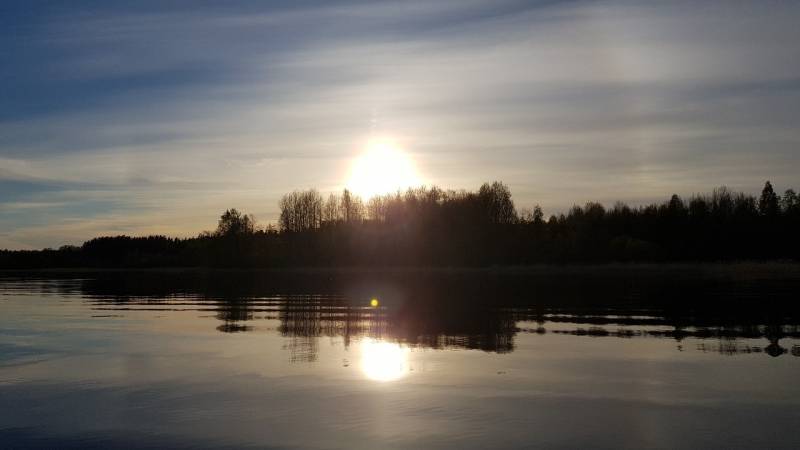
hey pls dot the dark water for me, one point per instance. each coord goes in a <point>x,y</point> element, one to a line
<point>683,356</point>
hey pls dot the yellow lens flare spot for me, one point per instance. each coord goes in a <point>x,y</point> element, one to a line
<point>374,303</point>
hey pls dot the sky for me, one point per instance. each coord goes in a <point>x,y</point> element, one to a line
<point>154,117</point>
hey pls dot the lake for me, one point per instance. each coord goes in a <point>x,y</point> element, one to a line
<point>677,356</point>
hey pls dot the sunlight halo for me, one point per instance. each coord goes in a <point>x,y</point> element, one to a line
<point>381,169</point>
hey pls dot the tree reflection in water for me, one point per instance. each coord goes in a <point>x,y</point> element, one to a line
<point>472,309</point>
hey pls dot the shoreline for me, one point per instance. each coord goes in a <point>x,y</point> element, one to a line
<point>612,267</point>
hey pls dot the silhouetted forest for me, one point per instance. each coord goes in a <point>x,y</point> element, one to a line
<point>435,227</point>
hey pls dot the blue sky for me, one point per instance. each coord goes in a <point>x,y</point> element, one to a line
<point>153,117</point>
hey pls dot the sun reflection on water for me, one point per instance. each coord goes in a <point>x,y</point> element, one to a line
<point>383,361</point>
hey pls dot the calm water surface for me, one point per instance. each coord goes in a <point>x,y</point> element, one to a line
<point>642,357</point>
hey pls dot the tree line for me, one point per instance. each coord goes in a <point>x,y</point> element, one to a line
<point>435,227</point>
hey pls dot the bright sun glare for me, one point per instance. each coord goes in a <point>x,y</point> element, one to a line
<point>383,361</point>
<point>382,168</point>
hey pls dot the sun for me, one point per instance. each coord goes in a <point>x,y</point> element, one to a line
<point>382,168</point>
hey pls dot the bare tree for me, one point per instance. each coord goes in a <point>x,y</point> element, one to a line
<point>332,211</point>
<point>300,211</point>
<point>352,207</point>
<point>377,208</point>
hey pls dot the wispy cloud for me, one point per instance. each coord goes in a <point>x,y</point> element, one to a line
<point>175,114</point>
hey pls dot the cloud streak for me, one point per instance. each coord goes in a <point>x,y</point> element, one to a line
<point>173,114</point>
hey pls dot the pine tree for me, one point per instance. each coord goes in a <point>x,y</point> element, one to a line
<point>768,204</point>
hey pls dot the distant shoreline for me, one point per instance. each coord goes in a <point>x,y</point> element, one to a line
<point>783,266</point>
<point>431,229</point>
